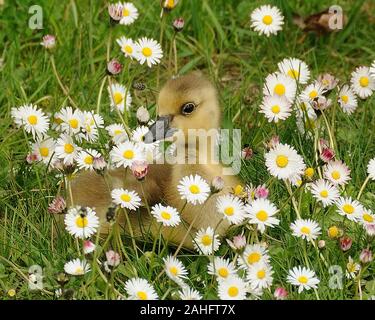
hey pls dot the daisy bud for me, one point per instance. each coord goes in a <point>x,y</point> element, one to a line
<point>261,192</point>
<point>323,143</point>
<point>114,67</point>
<point>370,229</point>
<point>366,256</point>
<point>49,41</point>
<point>275,140</point>
<point>115,12</point>
<point>309,173</point>
<point>327,154</point>
<point>247,152</point>
<point>88,246</point>
<point>327,81</point>
<point>333,232</point>
<point>217,184</point>
<point>57,206</point>
<point>237,243</point>
<point>62,279</point>
<point>113,258</point>
<point>31,158</point>
<point>139,169</point>
<point>345,243</point>
<point>11,293</point>
<point>143,116</point>
<point>321,244</point>
<point>321,103</point>
<point>280,293</point>
<point>99,163</point>
<point>179,24</point>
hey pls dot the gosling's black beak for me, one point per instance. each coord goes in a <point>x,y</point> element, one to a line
<point>160,130</point>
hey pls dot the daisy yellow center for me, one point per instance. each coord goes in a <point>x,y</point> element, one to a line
<point>275,109</point>
<point>238,190</point>
<point>305,230</point>
<point>262,215</point>
<point>229,211</point>
<point>253,258</point>
<point>169,4</point>
<point>206,240</point>
<point>57,121</point>
<point>128,154</point>
<point>267,20</point>
<point>173,270</point>
<point>88,160</point>
<point>33,120</point>
<point>279,89</point>
<point>309,172</point>
<point>73,123</point>
<point>351,267</point>
<point>364,82</point>
<point>282,161</point>
<point>125,197</point>
<point>336,175</point>
<point>81,222</point>
<point>223,272</point>
<point>233,291</point>
<point>333,232</point>
<point>165,215</point>
<point>118,97</point>
<point>348,208</point>
<point>44,151</point>
<point>125,13</point>
<point>293,74</point>
<point>368,218</point>
<point>142,295</point>
<point>128,49</point>
<point>194,189</point>
<point>261,274</point>
<point>313,94</point>
<point>147,52</point>
<point>117,132</point>
<point>302,279</point>
<point>324,193</point>
<point>68,148</point>
<point>345,99</point>
<point>79,270</point>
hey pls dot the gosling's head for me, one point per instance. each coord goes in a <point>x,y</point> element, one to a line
<point>186,102</point>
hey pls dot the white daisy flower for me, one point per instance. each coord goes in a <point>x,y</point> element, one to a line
<point>372,70</point>
<point>371,169</point>
<point>127,46</point>
<point>312,91</point>
<point>349,208</point>
<point>206,242</point>
<point>232,288</point>
<point>221,268</point>
<point>81,222</point>
<point>305,229</point>
<point>303,278</point>
<point>138,136</point>
<point>362,83</point>
<point>174,269</point>
<point>166,215</point>
<point>366,217</point>
<point>231,208</point>
<point>324,192</point>
<point>352,268</point>
<point>126,199</point>
<point>261,212</point>
<point>260,276</point>
<point>72,121</point>
<point>120,97</point>
<point>77,267</point>
<point>275,108</point>
<point>124,154</point>
<point>129,13</point>
<point>117,133</point>
<point>66,149</point>
<point>295,69</point>
<point>194,189</point>
<point>347,100</point>
<point>187,293</point>
<point>140,289</point>
<point>267,20</point>
<point>253,254</point>
<point>44,148</point>
<point>92,123</point>
<point>32,119</point>
<point>280,85</point>
<point>85,159</point>
<point>284,162</point>
<point>337,172</point>
<point>149,51</point>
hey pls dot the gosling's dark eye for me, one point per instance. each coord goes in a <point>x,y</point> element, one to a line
<point>188,108</point>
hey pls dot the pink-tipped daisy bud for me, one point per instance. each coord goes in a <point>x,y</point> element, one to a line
<point>327,154</point>
<point>179,24</point>
<point>275,140</point>
<point>139,169</point>
<point>247,152</point>
<point>370,229</point>
<point>143,116</point>
<point>327,81</point>
<point>217,184</point>
<point>323,143</point>
<point>280,293</point>
<point>115,12</point>
<point>321,244</point>
<point>99,163</point>
<point>88,247</point>
<point>48,41</point>
<point>57,206</point>
<point>261,192</point>
<point>31,158</point>
<point>366,256</point>
<point>114,67</point>
<point>321,103</point>
<point>345,243</point>
<point>238,242</point>
<point>113,258</point>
